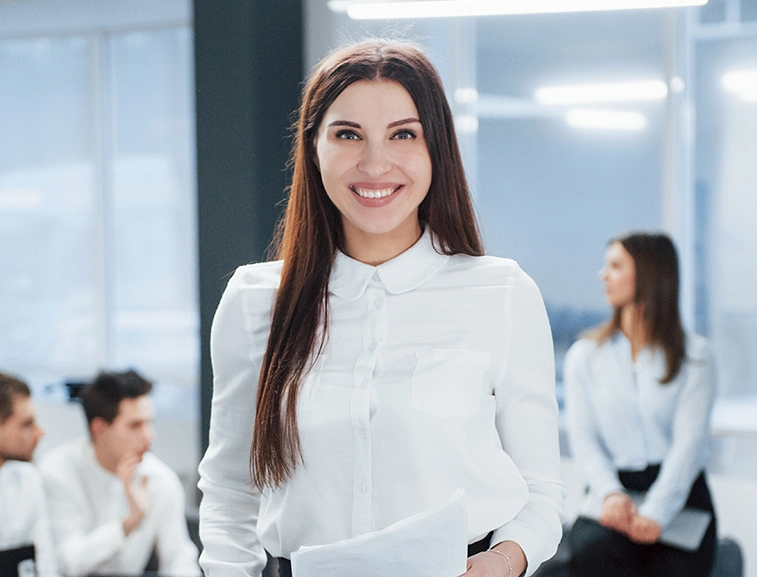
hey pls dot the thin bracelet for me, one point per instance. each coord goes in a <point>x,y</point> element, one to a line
<point>507,558</point>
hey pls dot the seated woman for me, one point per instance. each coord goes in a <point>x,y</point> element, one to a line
<point>639,393</point>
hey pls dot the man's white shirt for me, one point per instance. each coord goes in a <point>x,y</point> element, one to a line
<point>87,507</point>
<point>23,515</point>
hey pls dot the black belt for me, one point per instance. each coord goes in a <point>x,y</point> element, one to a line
<point>285,565</point>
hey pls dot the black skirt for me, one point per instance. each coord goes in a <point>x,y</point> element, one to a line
<point>598,551</point>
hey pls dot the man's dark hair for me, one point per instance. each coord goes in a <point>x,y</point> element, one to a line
<point>102,396</point>
<point>10,388</point>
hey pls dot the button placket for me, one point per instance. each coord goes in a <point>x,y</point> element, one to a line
<point>362,514</point>
<point>638,415</point>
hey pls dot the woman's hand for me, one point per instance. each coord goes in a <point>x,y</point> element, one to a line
<point>644,530</point>
<point>490,564</point>
<point>618,512</point>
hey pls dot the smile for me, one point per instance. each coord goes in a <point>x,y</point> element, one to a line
<point>374,192</point>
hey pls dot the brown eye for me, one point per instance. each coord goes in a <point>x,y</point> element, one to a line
<point>404,134</point>
<point>347,135</point>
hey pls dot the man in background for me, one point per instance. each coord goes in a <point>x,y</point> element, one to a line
<point>25,541</point>
<point>112,503</point>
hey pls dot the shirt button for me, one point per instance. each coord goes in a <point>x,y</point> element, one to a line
<point>377,303</point>
<point>362,488</point>
<point>372,347</point>
<point>362,433</point>
<point>364,384</point>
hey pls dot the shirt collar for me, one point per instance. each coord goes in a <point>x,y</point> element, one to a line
<point>95,466</point>
<point>403,273</point>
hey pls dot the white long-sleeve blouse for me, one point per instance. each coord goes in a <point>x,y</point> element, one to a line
<point>437,374</point>
<point>620,417</point>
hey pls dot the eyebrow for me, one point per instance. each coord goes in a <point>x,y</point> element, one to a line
<point>403,121</point>
<point>351,124</point>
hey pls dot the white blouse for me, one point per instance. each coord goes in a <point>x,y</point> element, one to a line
<point>620,417</point>
<point>437,374</point>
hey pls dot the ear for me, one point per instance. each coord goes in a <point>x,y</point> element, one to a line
<point>96,428</point>
<point>314,152</point>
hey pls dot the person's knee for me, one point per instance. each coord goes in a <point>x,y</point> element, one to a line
<point>598,550</point>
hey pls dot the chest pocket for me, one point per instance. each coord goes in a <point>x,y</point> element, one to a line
<point>447,383</point>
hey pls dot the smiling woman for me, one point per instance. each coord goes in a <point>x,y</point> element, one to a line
<point>375,168</point>
<point>383,362</point>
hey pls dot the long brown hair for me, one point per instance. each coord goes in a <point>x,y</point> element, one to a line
<point>311,232</point>
<point>656,296</point>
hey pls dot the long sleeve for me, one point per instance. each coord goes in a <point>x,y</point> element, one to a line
<point>437,374</point>
<point>527,422</point>
<point>690,436</point>
<point>176,552</point>
<point>584,433</point>
<point>23,515</point>
<point>46,563</point>
<point>78,550</point>
<point>230,503</point>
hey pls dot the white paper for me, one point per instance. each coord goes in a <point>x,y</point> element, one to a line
<point>685,531</point>
<point>430,544</point>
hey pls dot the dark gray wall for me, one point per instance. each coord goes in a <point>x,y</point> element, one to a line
<point>248,69</point>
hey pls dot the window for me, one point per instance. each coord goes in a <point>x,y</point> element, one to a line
<point>551,193</point>
<point>97,201</point>
<point>726,202</point>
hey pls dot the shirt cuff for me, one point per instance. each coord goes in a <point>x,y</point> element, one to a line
<point>658,512</point>
<point>606,487</point>
<point>532,544</point>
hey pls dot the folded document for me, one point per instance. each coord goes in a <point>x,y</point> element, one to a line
<point>430,544</point>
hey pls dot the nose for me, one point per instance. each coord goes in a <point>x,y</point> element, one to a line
<point>374,160</point>
<point>602,273</point>
<point>148,434</point>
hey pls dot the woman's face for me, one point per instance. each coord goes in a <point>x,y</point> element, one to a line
<point>619,276</point>
<point>374,162</point>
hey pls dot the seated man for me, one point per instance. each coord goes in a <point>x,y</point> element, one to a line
<point>25,540</point>
<point>111,501</point>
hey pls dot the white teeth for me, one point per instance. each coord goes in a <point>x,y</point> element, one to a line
<point>372,193</point>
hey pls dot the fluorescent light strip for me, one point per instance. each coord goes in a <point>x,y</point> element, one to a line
<point>457,8</point>
<point>466,95</point>
<point>608,92</point>
<point>605,119</point>
<point>743,83</point>
<point>466,123</point>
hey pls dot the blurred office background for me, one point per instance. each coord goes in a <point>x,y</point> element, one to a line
<point>143,146</point>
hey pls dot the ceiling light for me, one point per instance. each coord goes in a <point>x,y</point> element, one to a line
<point>455,8</point>
<point>677,84</point>
<point>606,119</point>
<point>466,95</point>
<point>608,92</point>
<point>743,83</point>
<point>466,124</point>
